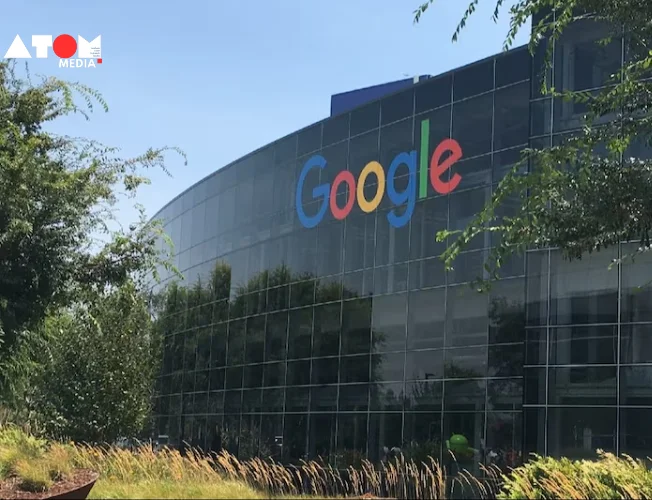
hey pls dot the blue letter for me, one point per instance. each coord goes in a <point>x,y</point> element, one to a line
<point>321,190</point>
<point>409,195</point>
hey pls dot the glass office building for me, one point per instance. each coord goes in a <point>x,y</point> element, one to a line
<point>316,319</point>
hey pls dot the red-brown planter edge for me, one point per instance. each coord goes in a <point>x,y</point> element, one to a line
<point>79,493</point>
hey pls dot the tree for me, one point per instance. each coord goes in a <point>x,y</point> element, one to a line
<point>57,247</point>
<point>593,190</point>
<point>98,368</point>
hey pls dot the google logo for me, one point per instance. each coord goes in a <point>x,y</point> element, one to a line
<point>435,169</point>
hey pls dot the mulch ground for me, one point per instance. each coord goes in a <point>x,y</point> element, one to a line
<point>9,488</point>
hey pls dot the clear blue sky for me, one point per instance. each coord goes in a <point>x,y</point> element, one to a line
<point>220,78</point>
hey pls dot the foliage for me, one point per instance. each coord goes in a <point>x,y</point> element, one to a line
<point>57,194</point>
<point>99,367</point>
<point>145,473</point>
<point>34,462</point>
<point>608,477</point>
<point>34,476</point>
<point>15,446</point>
<point>397,479</point>
<point>591,191</point>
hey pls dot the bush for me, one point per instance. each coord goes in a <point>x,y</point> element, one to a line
<point>17,446</point>
<point>608,477</point>
<point>36,464</point>
<point>35,476</point>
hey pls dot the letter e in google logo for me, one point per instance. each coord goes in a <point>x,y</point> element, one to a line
<point>432,171</point>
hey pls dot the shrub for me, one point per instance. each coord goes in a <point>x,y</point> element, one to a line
<point>608,477</point>
<point>34,475</point>
<point>14,437</point>
<point>36,465</point>
<point>17,445</point>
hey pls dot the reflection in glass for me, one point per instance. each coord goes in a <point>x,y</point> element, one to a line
<point>577,432</point>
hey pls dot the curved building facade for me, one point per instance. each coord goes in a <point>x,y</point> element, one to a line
<point>316,319</point>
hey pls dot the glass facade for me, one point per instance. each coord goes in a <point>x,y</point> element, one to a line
<point>349,338</point>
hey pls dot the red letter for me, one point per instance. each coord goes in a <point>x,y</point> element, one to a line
<point>346,177</point>
<point>437,169</point>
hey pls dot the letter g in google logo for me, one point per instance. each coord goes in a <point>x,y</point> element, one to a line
<point>435,168</point>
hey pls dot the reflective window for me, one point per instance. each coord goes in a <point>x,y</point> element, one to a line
<point>392,244</point>
<point>541,117</point>
<point>577,432</point>
<point>323,399</point>
<point>326,339</point>
<point>583,292</point>
<point>466,362</point>
<point>464,207</point>
<point>511,116</point>
<point>354,397</point>
<point>325,371</point>
<point>464,395</point>
<point>351,435</point>
<point>336,129</point>
<point>390,279</point>
<point>300,333</point>
<point>513,67</point>
<point>636,302</point>
<point>424,365</point>
<point>298,373</point>
<point>276,336</point>
<point>580,62</point>
<point>434,93</point>
<point>337,157</point>
<point>507,312</point>
<point>309,140</point>
<point>236,343</point>
<point>636,343</point>
<point>386,397</point>
<point>473,80</point>
<point>323,434</point>
<point>580,345</point>
<point>635,432</point>
<point>473,124</point>
<point>362,150</point>
<point>475,172</point>
<point>359,237</point>
<point>274,374</point>
<point>426,273</point>
<point>429,217</point>
<point>395,139</point>
<point>635,383</point>
<point>255,344</point>
<point>388,323</point>
<point>354,369</point>
<point>365,118</point>
<point>285,150</point>
<point>356,326</point>
<point>585,385</point>
<point>426,319</point>
<point>330,238</point>
<point>397,107</point>
<point>384,434</point>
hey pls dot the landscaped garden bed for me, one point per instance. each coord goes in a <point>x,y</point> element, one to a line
<point>76,486</point>
<point>32,468</point>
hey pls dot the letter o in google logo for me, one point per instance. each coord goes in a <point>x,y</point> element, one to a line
<point>432,171</point>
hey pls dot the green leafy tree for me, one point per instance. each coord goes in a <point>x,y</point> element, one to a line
<point>592,190</point>
<point>99,365</point>
<point>57,245</point>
